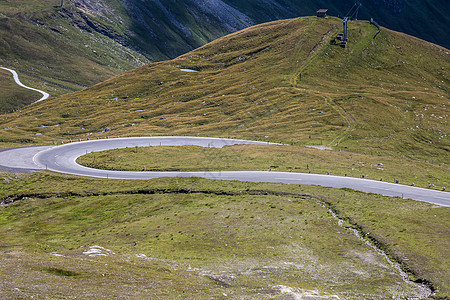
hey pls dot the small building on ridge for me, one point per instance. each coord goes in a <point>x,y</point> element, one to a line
<point>322,13</point>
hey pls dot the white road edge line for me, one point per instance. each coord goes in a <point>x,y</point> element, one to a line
<point>34,160</point>
<point>17,80</point>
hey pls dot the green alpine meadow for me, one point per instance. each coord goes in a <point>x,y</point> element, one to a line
<point>375,109</point>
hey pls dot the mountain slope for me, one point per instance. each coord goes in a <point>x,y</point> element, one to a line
<point>165,29</point>
<point>283,81</point>
<point>425,19</point>
<point>61,49</point>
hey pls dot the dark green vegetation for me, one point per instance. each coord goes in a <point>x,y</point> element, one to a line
<point>275,158</point>
<point>61,49</point>
<point>197,237</point>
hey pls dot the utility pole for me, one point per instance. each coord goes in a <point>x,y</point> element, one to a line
<point>345,21</point>
<point>352,14</point>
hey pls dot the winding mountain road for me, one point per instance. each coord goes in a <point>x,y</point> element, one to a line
<point>63,159</point>
<point>17,80</point>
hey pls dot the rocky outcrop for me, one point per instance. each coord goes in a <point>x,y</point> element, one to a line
<point>87,22</point>
<point>97,8</point>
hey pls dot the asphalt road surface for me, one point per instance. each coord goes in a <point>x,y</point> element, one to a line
<point>63,159</point>
<point>16,79</point>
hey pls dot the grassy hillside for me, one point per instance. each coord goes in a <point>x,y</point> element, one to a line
<point>14,97</point>
<point>425,19</point>
<point>164,29</point>
<point>57,50</point>
<point>197,238</point>
<point>284,81</point>
<point>61,49</point>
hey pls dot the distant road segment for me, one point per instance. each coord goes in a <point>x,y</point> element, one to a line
<point>17,80</point>
<point>63,159</point>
